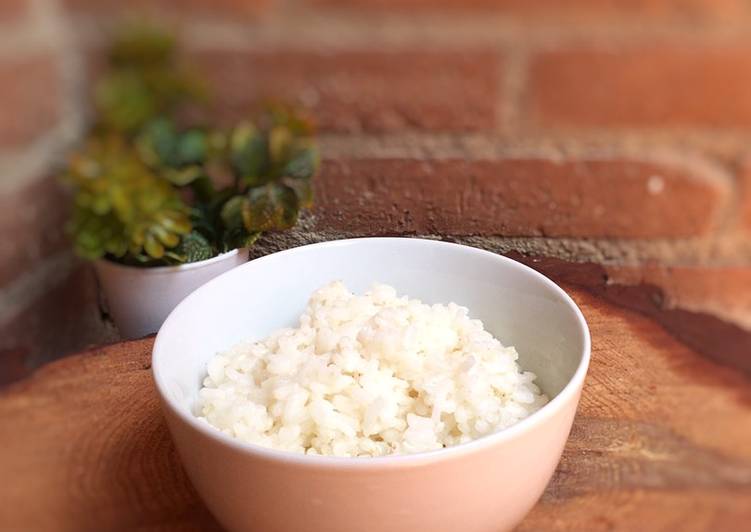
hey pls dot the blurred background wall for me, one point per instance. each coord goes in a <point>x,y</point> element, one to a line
<point>615,132</point>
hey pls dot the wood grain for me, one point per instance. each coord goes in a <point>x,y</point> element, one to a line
<point>662,441</point>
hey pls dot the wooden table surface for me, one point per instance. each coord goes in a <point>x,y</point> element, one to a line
<point>662,441</point>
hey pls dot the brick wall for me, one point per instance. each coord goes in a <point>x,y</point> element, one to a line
<point>615,132</point>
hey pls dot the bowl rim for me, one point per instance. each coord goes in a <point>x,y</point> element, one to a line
<point>547,411</point>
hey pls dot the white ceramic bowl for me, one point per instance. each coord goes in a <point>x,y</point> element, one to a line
<point>486,485</point>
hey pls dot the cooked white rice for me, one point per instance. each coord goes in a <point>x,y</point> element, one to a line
<point>369,375</point>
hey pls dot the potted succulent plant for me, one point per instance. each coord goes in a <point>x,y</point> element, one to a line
<point>162,206</point>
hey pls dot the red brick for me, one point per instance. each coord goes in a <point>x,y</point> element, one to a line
<point>178,8</point>
<point>30,94</point>
<point>64,320</point>
<point>647,87</point>
<point>745,195</point>
<point>554,9</point>
<point>13,365</point>
<point>722,292</point>
<point>363,91</point>
<point>32,221</point>
<point>522,197</point>
<point>12,10</point>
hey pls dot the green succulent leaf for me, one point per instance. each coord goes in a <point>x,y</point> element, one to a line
<point>123,207</point>
<point>94,234</point>
<point>303,164</point>
<point>124,101</point>
<point>194,247</point>
<point>165,236</point>
<point>239,238</point>
<point>271,207</point>
<point>248,153</point>
<point>183,176</point>
<point>192,147</point>
<point>149,192</point>
<point>153,247</point>
<point>232,212</point>
<point>144,81</point>
<point>101,204</point>
<point>303,189</point>
<point>204,221</point>
<point>175,221</point>
<point>216,144</point>
<point>157,143</point>
<point>280,142</point>
<point>117,247</point>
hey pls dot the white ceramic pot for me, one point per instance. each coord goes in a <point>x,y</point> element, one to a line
<point>140,299</point>
<point>486,485</point>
